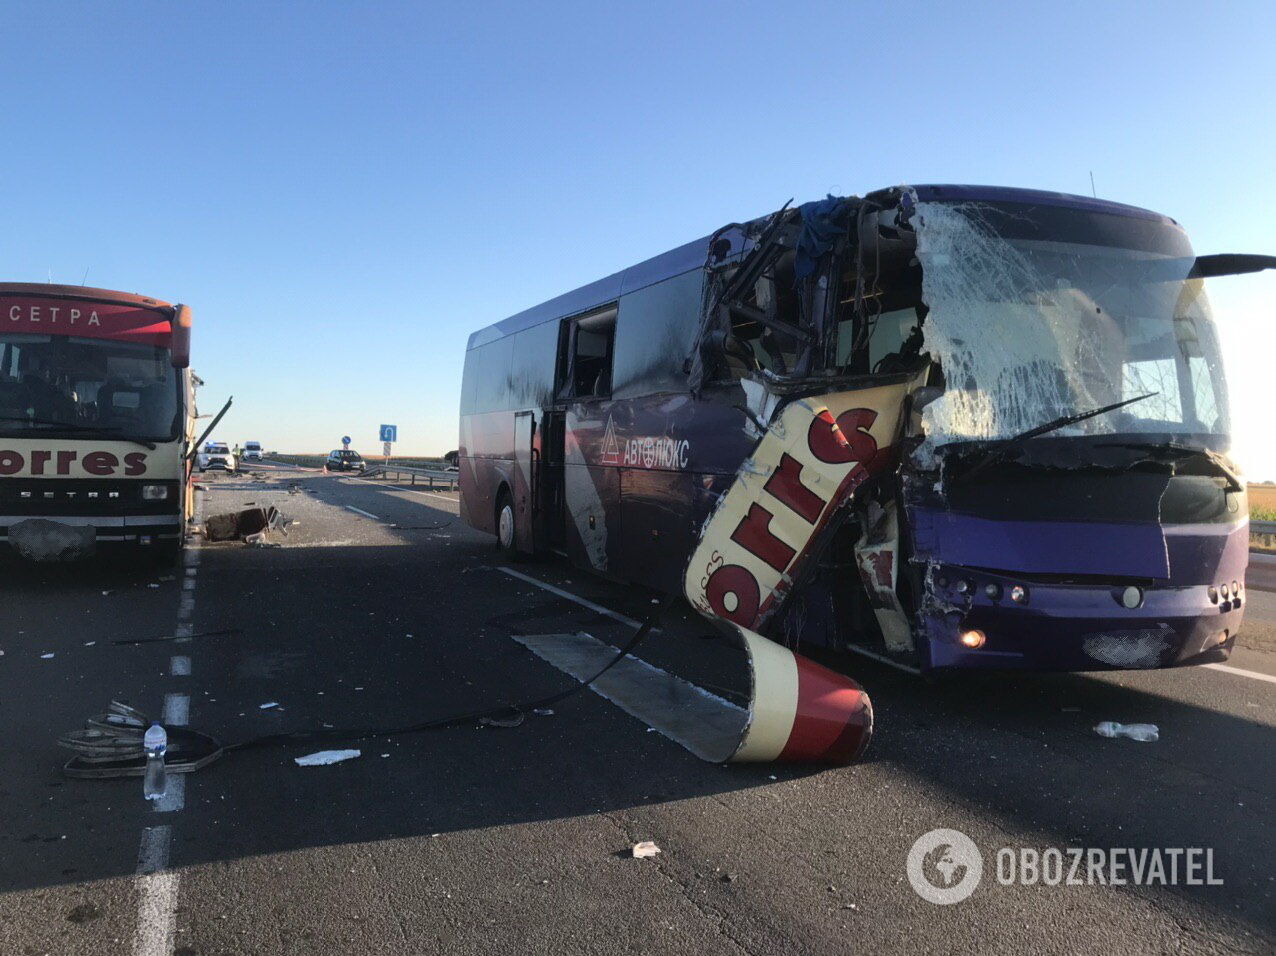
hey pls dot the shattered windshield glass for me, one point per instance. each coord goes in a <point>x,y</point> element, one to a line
<point>1031,329</point>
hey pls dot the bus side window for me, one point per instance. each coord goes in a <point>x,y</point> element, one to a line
<point>655,332</point>
<point>590,347</point>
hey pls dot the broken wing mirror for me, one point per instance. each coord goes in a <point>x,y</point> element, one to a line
<point>1230,264</point>
<point>180,347</point>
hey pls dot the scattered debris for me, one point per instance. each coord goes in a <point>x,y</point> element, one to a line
<point>45,657</point>
<point>86,644</point>
<point>1145,733</point>
<point>513,721</point>
<point>152,585</point>
<point>268,705</point>
<point>323,758</point>
<point>543,711</point>
<point>244,524</point>
<point>645,850</point>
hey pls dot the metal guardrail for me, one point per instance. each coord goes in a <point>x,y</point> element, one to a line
<point>1262,527</point>
<point>427,476</point>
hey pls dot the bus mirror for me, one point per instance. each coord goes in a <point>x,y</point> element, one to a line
<point>180,346</point>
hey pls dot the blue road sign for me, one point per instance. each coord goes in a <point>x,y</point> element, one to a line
<point>389,432</point>
<point>345,440</point>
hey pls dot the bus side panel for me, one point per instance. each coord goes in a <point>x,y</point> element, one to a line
<point>656,526</point>
<point>591,492</point>
<point>486,462</point>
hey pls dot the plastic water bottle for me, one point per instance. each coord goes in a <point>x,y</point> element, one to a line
<point>155,743</point>
<point>1141,732</point>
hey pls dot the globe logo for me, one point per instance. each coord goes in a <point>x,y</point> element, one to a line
<point>944,866</point>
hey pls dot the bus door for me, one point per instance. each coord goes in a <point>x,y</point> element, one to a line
<point>550,527</point>
<point>527,453</point>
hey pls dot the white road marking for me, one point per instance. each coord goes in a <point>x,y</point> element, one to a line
<point>706,724</point>
<point>174,794</point>
<point>186,606</point>
<point>1241,672</point>
<point>428,494</point>
<point>177,709</point>
<point>366,514</point>
<point>156,894</point>
<point>183,631</point>
<point>180,664</point>
<point>188,584</point>
<point>627,621</point>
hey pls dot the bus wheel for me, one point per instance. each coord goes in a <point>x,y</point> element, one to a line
<point>505,530</point>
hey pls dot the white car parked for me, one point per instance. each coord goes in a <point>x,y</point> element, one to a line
<point>252,451</point>
<point>216,456</point>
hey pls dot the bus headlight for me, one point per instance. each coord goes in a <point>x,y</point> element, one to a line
<point>154,492</point>
<point>973,639</point>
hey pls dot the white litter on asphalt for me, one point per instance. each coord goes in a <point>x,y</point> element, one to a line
<point>324,757</point>
<point>1145,733</point>
<point>267,706</point>
<point>645,850</point>
<point>45,657</point>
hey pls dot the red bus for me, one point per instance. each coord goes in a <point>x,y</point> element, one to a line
<point>96,421</point>
<point>1013,417</point>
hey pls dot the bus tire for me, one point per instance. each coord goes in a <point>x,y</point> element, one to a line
<point>506,526</point>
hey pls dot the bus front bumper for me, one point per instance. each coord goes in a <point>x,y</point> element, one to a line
<point>1075,627</point>
<point>69,537</point>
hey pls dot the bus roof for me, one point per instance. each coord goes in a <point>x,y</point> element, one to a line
<point>81,292</point>
<point>692,255</point>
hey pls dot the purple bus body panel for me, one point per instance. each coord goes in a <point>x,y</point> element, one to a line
<point>1030,547</point>
<point>1063,625</point>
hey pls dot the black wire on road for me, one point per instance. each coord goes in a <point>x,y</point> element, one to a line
<point>438,723</point>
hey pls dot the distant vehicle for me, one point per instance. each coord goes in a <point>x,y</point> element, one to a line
<point>343,459</point>
<point>252,451</point>
<point>97,406</point>
<point>216,456</point>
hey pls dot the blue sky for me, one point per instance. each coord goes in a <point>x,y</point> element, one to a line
<point>344,191</point>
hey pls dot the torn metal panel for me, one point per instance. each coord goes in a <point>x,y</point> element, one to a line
<point>247,523</point>
<point>877,554</point>
<point>809,463</point>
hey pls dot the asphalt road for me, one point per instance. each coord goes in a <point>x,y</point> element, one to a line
<point>382,610</point>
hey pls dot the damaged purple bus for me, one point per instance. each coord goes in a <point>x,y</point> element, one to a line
<point>943,426</point>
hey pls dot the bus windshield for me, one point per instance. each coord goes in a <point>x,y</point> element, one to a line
<point>1028,330</point>
<point>57,384</point>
